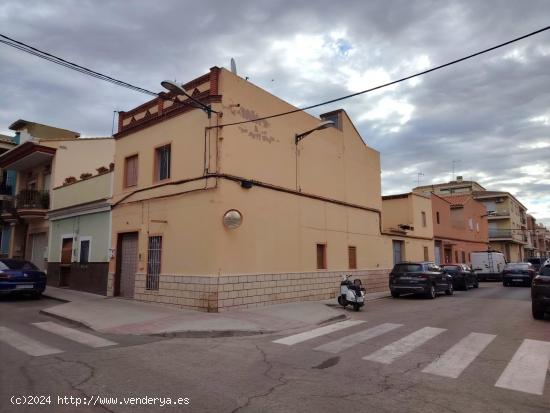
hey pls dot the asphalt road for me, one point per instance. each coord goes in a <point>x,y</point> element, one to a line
<point>476,351</point>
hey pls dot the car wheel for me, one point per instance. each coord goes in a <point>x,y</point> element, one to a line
<point>342,301</point>
<point>476,284</point>
<point>431,293</point>
<point>538,311</point>
<point>356,306</point>
<point>450,290</point>
<point>395,294</point>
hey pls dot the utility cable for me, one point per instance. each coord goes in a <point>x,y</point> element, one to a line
<point>54,59</point>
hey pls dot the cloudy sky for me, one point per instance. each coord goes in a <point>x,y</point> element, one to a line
<point>490,114</point>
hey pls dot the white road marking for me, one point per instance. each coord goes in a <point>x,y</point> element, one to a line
<point>349,341</point>
<point>317,332</point>
<point>74,335</point>
<point>26,344</point>
<point>399,348</point>
<point>527,370</point>
<point>455,360</point>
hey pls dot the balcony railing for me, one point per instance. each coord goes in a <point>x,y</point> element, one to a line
<point>32,199</point>
<point>500,233</point>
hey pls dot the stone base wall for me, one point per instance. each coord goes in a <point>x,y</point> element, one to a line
<point>224,292</point>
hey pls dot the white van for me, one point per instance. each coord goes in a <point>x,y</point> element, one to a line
<point>488,265</point>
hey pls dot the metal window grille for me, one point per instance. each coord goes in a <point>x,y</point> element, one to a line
<point>163,162</point>
<point>153,262</point>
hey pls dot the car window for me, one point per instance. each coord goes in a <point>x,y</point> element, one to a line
<point>518,266</point>
<point>407,268</point>
<point>17,265</point>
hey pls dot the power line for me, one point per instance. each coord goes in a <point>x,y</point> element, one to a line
<point>70,65</point>
<point>390,83</point>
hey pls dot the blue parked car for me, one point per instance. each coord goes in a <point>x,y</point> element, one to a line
<point>21,277</point>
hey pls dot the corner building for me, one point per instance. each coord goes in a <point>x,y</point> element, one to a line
<point>212,217</point>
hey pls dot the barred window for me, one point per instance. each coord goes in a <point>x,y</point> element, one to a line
<point>154,253</point>
<point>84,251</point>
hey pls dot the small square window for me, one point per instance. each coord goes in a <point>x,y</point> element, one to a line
<point>424,222</point>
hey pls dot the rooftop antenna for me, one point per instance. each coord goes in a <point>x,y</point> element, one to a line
<point>418,175</point>
<point>233,66</point>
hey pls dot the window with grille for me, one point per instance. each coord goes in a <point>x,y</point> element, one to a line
<point>352,258</point>
<point>154,253</point>
<point>84,251</point>
<point>131,171</point>
<point>162,162</point>
<point>321,256</point>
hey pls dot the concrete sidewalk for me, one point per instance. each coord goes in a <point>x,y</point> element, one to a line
<point>121,316</point>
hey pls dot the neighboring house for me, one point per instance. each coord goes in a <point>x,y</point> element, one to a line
<point>7,191</point>
<point>507,223</point>
<point>542,239</point>
<point>460,228</point>
<point>531,246</point>
<point>407,222</point>
<point>45,156</point>
<point>211,218</point>
<point>507,216</point>
<point>458,187</point>
<point>80,237</point>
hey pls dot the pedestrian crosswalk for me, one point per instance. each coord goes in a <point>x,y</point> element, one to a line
<point>525,372</point>
<point>24,343</point>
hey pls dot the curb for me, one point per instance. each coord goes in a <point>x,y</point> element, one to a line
<point>44,294</point>
<point>66,319</point>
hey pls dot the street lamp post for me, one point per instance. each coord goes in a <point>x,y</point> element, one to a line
<point>320,126</point>
<point>299,136</point>
<point>179,90</point>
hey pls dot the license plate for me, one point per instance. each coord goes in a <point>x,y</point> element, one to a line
<point>405,278</point>
<point>22,286</point>
<point>517,279</point>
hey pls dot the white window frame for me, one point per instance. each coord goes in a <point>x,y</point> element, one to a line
<point>85,238</point>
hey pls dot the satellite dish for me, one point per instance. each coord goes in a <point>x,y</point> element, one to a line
<point>233,66</point>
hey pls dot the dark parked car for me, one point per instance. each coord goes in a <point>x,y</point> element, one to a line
<point>540,293</point>
<point>21,277</point>
<point>419,278</point>
<point>518,273</point>
<point>537,262</point>
<point>463,276</point>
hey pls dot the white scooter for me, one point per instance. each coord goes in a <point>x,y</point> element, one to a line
<point>351,293</point>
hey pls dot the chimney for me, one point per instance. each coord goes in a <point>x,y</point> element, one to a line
<point>459,178</point>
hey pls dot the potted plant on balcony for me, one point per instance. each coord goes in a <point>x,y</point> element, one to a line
<point>69,180</point>
<point>85,175</point>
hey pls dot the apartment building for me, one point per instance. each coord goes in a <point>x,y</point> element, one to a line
<point>507,219</point>
<point>254,212</point>
<point>406,221</point>
<point>7,191</point>
<point>44,158</point>
<point>460,228</point>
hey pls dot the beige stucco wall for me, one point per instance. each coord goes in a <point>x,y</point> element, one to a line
<point>74,157</point>
<point>88,190</point>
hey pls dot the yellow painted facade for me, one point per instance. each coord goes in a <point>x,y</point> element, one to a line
<point>323,190</point>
